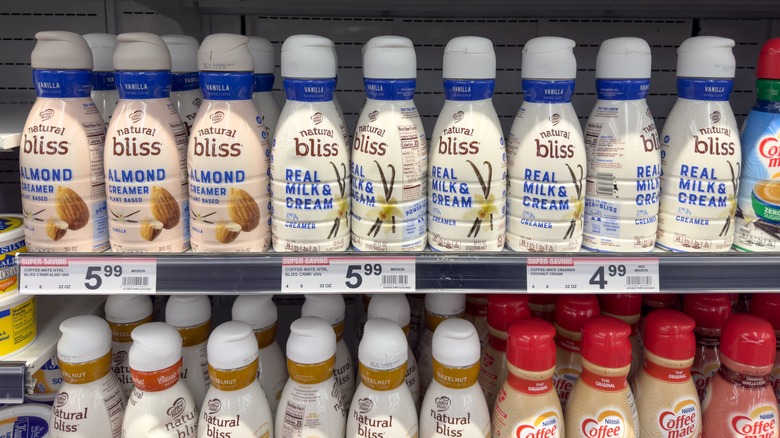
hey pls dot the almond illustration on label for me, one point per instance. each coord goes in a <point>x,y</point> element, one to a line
<point>243,210</point>
<point>71,208</point>
<point>227,232</point>
<point>164,207</point>
<point>56,229</point>
<point>150,229</point>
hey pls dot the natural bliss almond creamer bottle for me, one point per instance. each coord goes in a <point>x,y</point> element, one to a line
<point>61,157</point>
<point>185,89</point>
<point>438,307</point>
<point>571,314</point>
<point>124,313</point>
<point>263,54</point>
<point>104,92</point>
<point>710,312</point>
<point>191,315</point>
<point>767,306</point>
<point>627,308</point>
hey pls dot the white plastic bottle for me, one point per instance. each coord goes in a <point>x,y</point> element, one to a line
<point>259,311</point>
<point>383,405</point>
<point>467,195</point>
<point>90,402</point>
<point>389,153</point>
<point>311,404</point>
<point>265,103</point>
<point>124,313</point>
<point>104,92</point>
<point>454,405</point>
<point>61,154</point>
<point>546,152</point>
<point>185,89</point>
<point>146,152</point>
<point>339,110</point>
<point>191,315</point>
<point>235,405</point>
<point>624,160</point>
<point>700,151</point>
<point>228,154</point>
<point>310,175</point>
<point>160,406</point>
<point>438,307</point>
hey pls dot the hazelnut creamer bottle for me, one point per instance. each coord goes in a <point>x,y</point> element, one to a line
<point>571,314</point>
<point>438,307</point>
<point>627,308</point>
<point>191,315</point>
<point>263,54</point>
<point>124,313</point>
<point>767,306</point>
<point>146,152</point>
<point>61,158</point>
<point>710,311</point>
<point>104,92</point>
<point>185,89</point>
<point>228,154</point>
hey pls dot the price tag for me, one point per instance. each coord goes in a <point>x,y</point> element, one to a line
<point>108,275</point>
<point>589,275</point>
<point>348,274</point>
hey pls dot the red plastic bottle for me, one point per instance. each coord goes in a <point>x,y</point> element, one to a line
<point>710,311</point>
<point>571,313</point>
<point>627,308</point>
<point>767,306</point>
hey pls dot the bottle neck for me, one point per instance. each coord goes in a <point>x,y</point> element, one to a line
<point>263,83</point>
<point>311,373</point>
<point>156,381</point>
<point>86,372</point>
<point>310,90</point>
<point>196,335</point>
<point>537,91</point>
<point>62,83</point>
<point>713,90</point>
<point>266,336</point>
<point>667,370</point>
<point>468,90</point>
<point>143,84</point>
<point>530,383</point>
<point>184,81</point>
<point>604,379</point>
<point>390,89</point>
<point>226,85</point>
<point>455,377</point>
<point>382,380</point>
<point>742,380</point>
<point>235,379</point>
<point>103,81</point>
<point>622,89</point>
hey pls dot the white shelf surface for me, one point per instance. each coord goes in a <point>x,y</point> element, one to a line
<point>12,118</point>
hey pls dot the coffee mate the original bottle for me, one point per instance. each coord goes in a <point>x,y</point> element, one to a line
<point>571,314</point>
<point>624,161</point>
<point>185,89</point>
<point>528,406</point>
<point>228,154</point>
<point>191,315</point>
<point>467,175</point>
<point>627,308</point>
<point>767,306</point>
<point>476,313</point>
<point>652,302</point>
<point>310,175</point>
<point>546,152</point>
<point>543,306</point>
<point>710,311</point>
<point>146,152</point>
<point>701,155</point>
<point>104,92</point>
<point>263,54</point>
<point>124,313</point>
<point>61,156</point>
<point>438,307</point>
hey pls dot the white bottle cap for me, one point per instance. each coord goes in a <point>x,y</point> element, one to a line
<point>103,46</point>
<point>156,346</point>
<point>445,304</point>
<point>383,346</point>
<point>84,339</point>
<point>389,57</point>
<point>308,56</point>
<point>549,58</point>
<point>311,341</point>
<point>469,57</point>
<point>329,307</point>
<point>456,343</point>
<point>263,54</point>
<point>394,307</point>
<point>259,311</point>
<point>61,50</point>
<point>126,309</point>
<point>225,52</point>
<point>624,58</point>
<point>184,53</point>
<point>139,51</point>
<point>706,57</point>
<point>187,310</point>
<point>232,345</point>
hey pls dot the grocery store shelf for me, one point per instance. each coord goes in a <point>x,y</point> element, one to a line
<point>12,118</point>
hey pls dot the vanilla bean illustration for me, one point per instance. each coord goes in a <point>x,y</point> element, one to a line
<point>570,231</point>
<point>734,182</point>
<point>388,188</point>
<point>475,228</point>
<point>394,224</point>
<point>334,231</point>
<point>485,186</point>
<point>339,178</point>
<point>577,182</point>
<point>375,228</point>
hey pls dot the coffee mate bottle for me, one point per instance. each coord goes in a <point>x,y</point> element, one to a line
<point>528,406</point>
<point>767,306</point>
<point>310,175</point>
<point>191,315</point>
<point>104,92</point>
<point>666,395</point>
<point>652,302</point>
<point>235,405</point>
<point>627,308</point>
<point>601,403</point>
<point>546,153</point>
<point>311,404</point>
<point>259,311</point>
<point>467,176</point>
<point>90,401</point>
<point>454,404</point>
<point>476,313</point>
<point>710,311</point>
<point>263,54</point>
<point>185,89</point>
<point>146,152</point>
<point>624,162</point>
<point>124,313</point>
<point>543,306</point>
<point>700,151</point>
<point>740,401</point>
<point>61,157</point>
<point>160,404</point>
<point>571,314</point>
<point>438,307</point>
<point>228,154</point>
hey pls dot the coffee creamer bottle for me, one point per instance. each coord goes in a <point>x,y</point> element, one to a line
<point>546,153</point>
<point>571,314</point>
<point>627,308</point>
<point>310,175</point>
<point>311,404</point>
<point>185,89</point>
<point>90,401</point>
<point>601,403</point>
<point>624,162</point>
<point>710,312</point>
<point>263,54</point>
<point>235,405</point>
<point>701,155</point>
<point>438,307</point>
<point>336,103</point>
<point>740,400</point>
<point>104,92</point>
<point>476,313</point>
<point>528,406</point>
<point>767,306</point>
<point>666,397</point>
<point>124,313</point>
<point>160,404</point>
<point>228,154</point>
<point>191,316</point>
<point>651,302</point>
<point>454,404</point>
<point>543,306</point>
<point>61,158</point>
<point>389,153</point>
<point>259,311</point>
<point>467,176</point>
<point>146,152</point>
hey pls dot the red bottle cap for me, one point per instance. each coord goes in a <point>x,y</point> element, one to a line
<point>767,306</point>
<point>710,311</point>
<point>769,60</point>
<point>504,309</point>
<point>621,304</point>
<point>605,342</point>
<point>571,311</point>
<point>543,299</point>
<point>531,344</point>
<point>748,340</point>
<point>661,301</point>
<point>669,334</point>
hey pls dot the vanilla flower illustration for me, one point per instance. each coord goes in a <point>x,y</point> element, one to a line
<point>577,207</point>
<point>387,211</point>
<point>732,203</point>
<point>484,210</point>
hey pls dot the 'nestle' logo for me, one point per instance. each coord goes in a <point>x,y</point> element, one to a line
<point>317,118</point>
<point>136,115</point>
<point>365,405</point>
<point>373,115</point>
<point>214,405</point>
<point>555,119</point>
<point>217,117</point>
<point>120,357</point>
<point>442,403</point>
<point>715,117</point>
<point>62,398</point>
<point>178,408</point>
<point>458,116</point>
<point>46,114</point>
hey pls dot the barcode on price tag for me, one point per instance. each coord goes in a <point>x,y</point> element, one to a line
<point>348,274</point>
<point>588,275</point>
<point>77,275</point>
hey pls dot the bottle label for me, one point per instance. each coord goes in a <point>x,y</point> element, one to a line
<point>492,372</point>
<point>48,378</point>
<point>382,380</point>
<point>219,421</point>
<point>310,374</point>
<point>705,89</point>
<point>184,81</point>
<point>682,420</point>
<point>529,387</point>
<point>455,377</point>
<point>761,422</point>
<point>263,83</point>
<point>344,369</point>
<point>372,416</point>
<point>155,381</point>
<point>120,365</point>
<point>705,364</point>
<point>390,89</point>
<point>312,410</point>
<point>103,81</point>
<point>61,84</point>
<point>226,86</point>
<point>266,336</point>
<point>607,424</point>
<point>309,90</point>
<point>543,425</point>
<point>143,84</point>
<point>567,369</point>
<point>81,373</point>
<point>547,91</point>
<point>468,90</point>
<point>603,383</point>
<point>624,89</point>
<point>89,410</point>
<point>666,374</point>
<point>233,380</point>
<point>742,380</point>
<point>25,426</point>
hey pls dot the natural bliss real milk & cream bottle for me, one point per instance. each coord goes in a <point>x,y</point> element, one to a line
<point>627,308</point>
<point>767,306</point>
<point>228,154</point>
<point>61,157</point>
<point>124,313</point>
<point>710,312</point>
<point>146,152</point>
<point>263,54</point>
<point>438,307</point>
<point>467,175</point>
<point>185,89</point>
<point>571,314</point>
<point>104,92</point>
<point>546,152</point>
<point>191,315</point>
